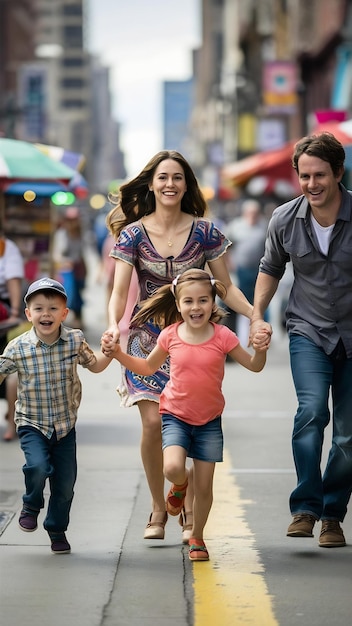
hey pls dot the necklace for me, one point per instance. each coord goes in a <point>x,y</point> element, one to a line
<point>170,243</point>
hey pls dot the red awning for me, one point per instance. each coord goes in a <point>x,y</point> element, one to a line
<point>272,169</point>
<point>270,163</point>
<point>341,130</point>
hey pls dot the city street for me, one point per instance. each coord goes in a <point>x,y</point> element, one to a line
<point>256,576</point>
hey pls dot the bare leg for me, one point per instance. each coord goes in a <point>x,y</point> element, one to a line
<point>203,495</point>
<point>189,497</point>
<point>11,396</point>
<point>175,465</point>
<point>151,454</point>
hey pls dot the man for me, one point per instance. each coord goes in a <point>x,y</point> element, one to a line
<point>314,231</point>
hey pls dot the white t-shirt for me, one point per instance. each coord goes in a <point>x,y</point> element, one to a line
<point>11,266</point>
<point>323,234</point>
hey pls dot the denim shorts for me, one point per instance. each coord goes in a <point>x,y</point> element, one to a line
<point>204,442</point>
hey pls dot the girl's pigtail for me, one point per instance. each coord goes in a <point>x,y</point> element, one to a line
<point>160,307</point>
<point>221,291</point>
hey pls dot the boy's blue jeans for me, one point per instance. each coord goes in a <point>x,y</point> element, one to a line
<point>53,459</point>
<point>314,375</point>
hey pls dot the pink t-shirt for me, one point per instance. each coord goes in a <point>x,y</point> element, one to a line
<point>193,393</point>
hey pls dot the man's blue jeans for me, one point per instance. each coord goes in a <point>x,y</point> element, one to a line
<point>315,374</point>
<point>55,460</point>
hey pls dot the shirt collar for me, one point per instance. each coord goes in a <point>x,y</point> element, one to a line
<point>345,208</point>
<point>64,333</point>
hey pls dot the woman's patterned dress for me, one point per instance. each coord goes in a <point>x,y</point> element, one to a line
<point>205,243</point>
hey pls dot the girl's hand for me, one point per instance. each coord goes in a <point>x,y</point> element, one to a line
<point>109,347</point>
<point>261,340</point>
<point>259,334</point>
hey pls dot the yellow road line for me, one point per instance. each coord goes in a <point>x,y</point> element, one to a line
<point>230,589</point>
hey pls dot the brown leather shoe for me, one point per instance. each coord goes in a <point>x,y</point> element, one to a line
<point>331,535</point>
<point>301,526</point>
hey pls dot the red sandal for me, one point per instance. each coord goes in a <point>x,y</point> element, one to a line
<point>175,498</point>
<point>197,550</point>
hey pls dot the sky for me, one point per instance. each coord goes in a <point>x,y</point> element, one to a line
<point>143,42</point>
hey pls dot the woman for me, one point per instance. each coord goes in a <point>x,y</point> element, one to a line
<point>159,230</point>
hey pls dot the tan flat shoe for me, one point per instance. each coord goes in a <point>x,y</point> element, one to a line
<point>155,530</point>
<point>185,520</point>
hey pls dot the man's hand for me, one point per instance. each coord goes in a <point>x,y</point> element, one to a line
<point>261,340</point>
<point>260,334</point>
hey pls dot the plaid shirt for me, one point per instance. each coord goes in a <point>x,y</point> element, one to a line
<point>49,389</point>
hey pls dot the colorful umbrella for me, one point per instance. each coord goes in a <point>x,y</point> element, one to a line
<point>75,160</point>
<point>78,184</point>
<point>22,161</point>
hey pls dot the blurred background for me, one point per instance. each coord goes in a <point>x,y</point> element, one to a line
<point>101,85</point>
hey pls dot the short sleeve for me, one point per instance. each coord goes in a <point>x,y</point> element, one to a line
<point>212,239</point>
<point>228,338</point>
<point>125,247</point>
<point>163,339</point>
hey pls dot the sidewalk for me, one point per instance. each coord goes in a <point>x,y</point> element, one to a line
<point>113,577</point>
<point>110,567</point>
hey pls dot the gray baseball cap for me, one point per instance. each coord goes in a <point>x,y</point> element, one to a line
<point>45,284</point>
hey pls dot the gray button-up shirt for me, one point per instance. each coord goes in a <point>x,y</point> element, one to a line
<point>320,303</point>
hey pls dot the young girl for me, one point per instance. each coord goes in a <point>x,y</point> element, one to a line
<point>192,402</point>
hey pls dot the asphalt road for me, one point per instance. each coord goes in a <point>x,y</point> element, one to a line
<point>256,576</point>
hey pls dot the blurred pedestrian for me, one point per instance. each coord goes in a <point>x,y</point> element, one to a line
<point>247,234</point>
<point>70,265</point>
<point>314,231</point>
<point>49,393</point>
<point>159,229</point>
<point>11,278</point>
<point>191,402</point>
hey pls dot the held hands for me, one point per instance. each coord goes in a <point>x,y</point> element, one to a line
<point>260,335</point>
<point>110,345</point>
<point>261,341</point>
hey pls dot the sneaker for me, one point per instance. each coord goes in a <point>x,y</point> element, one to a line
<point>301,526</point>
<point>59,543</point>
<point>331,535</point>
<point>28,520</point>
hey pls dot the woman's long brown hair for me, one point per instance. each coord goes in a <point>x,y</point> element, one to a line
<point>134,200</point>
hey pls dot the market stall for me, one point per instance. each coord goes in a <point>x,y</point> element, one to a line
<point>28,179</point>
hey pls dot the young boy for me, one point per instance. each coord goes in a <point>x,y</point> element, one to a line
<point>49,394</point>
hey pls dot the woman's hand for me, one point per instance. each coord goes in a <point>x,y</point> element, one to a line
<point>113,332</point>
<point>110,342</point>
